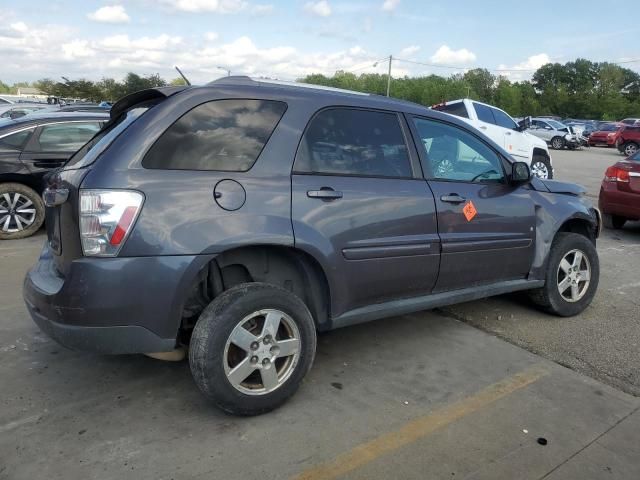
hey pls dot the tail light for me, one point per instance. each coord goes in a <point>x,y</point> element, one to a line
<point>615,174</point>
<point>106,219</point>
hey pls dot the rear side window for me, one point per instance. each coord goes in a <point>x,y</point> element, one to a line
<point>343,141</point>
<point>226,135</point>
<point>15,141</point>
<point>484,113</point>
<point>66,137</point>
<point>458,109</point>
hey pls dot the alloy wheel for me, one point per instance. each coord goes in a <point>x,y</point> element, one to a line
<point>540,170</point>
<point>17,212</point>
<point>573,276</point>
<point>557,143</point>
<point>630,149</point>
<point>262,352</point>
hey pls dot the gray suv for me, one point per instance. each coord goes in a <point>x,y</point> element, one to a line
<point>240,217</point>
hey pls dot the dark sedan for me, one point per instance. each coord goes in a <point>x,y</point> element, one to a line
<point>30,147</point>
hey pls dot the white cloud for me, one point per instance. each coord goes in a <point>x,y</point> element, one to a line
<point>390,5</point>
<point>321,8</point>
<point>524,70</point>
<point>211,36</point>
<point>19,27</point>
<point>110,14</point>
<point>408,51</point>
<point>77,49</point>
<point>445,55</point>
<point>212,6</point>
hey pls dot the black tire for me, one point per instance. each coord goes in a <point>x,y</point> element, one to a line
<point>614,222</point>
<point>213,330</point>
<point>629,148</point>
<point>548,298</point>
<point>543,161</point>
<point>557,143</point>
<point>12,189</point>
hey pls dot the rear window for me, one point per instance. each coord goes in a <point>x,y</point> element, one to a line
<point>94,147</point>
<point>484,113</point>
<point>458,109</point>
<point>223,135</point>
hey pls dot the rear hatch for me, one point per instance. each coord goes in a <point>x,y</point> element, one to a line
<point>62,186</point>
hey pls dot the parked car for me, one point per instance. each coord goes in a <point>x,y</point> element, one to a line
<point>554,133</point>
<point>606,135</point>
<point>248,214</point>
<point>628,139</point>
<point>620,192</point>
<point>631,121</point>
<point>30,147</point>
<point>20,110</point>
<point>503,130</point>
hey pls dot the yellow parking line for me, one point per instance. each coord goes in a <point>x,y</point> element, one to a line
<point>421,427</point>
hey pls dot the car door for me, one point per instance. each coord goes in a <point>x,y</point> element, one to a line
<point>361,207</point>
<point>486,225</point>
<point>487,123</point>
<point>514,141</point>
<point>52,144</point>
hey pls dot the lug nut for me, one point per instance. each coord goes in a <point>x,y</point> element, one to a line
<point>254,359</point>
<point>267,339</point>
<point>266,362</point>
<point>254,345</point>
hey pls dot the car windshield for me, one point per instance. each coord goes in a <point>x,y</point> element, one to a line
<point>556,125</point>
<point>609,127</point>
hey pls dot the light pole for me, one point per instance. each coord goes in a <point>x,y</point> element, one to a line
<point>389,75</point>
<point>225,69</point>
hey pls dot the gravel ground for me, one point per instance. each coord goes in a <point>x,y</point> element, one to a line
<point>601,342</point>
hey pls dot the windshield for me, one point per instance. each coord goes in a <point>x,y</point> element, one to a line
<point>101,140</point>
<point>608,127</point>
<point>556,125</point>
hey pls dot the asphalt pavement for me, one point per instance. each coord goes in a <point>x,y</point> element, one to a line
<point>419,396</point>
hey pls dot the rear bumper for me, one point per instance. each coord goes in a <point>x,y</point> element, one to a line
<point>622,204</point>
<point>112,306</point>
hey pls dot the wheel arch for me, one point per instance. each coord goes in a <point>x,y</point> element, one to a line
<point>26,180</point>
<point>288,267</point>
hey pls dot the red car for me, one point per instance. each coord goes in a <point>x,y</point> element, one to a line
<point>628,139</point>
<point>620,192</point>
<point>606,135</point>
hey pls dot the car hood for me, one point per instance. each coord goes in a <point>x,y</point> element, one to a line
<point>555,186</point>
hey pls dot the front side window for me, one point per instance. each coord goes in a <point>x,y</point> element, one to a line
<point>503,120</point>
<point>15,141</point>
<point>456,155</point>
<point>484,113</point>
<point>344,141</point>
<point>66,137</point>
<point>225,135</point>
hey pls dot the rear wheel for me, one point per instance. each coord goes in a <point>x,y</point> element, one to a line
<point>573,271</point>
<point>251,348</point>
<point>557,143</point>
<point>613,221</point>
<point>630,149</point>
<point>541,167</point>
<point>21,211</point>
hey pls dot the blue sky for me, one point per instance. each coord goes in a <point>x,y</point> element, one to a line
<point>290,38</point>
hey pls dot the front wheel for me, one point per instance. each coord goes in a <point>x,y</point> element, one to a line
<point>573,271</point>
<point>541,167</point>
<point>557,143</point>
<point>251,348</point>
<point>614,222</point>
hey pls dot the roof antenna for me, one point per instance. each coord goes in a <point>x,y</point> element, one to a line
<point>182,75</point>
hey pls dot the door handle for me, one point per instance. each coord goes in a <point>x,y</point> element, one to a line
<point>325,193</point>
<point>483,127</point>
<point>453,198</point>
<point>507,133</point>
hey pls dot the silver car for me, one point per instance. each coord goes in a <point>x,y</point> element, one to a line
<point>554,133</point>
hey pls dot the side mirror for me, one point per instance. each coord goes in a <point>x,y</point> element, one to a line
<point>524,124</point>
<point>520,172</point>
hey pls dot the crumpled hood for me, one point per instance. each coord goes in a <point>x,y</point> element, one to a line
<point>555,186</point>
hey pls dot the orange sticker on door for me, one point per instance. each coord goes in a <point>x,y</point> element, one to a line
<point>469,210</point>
